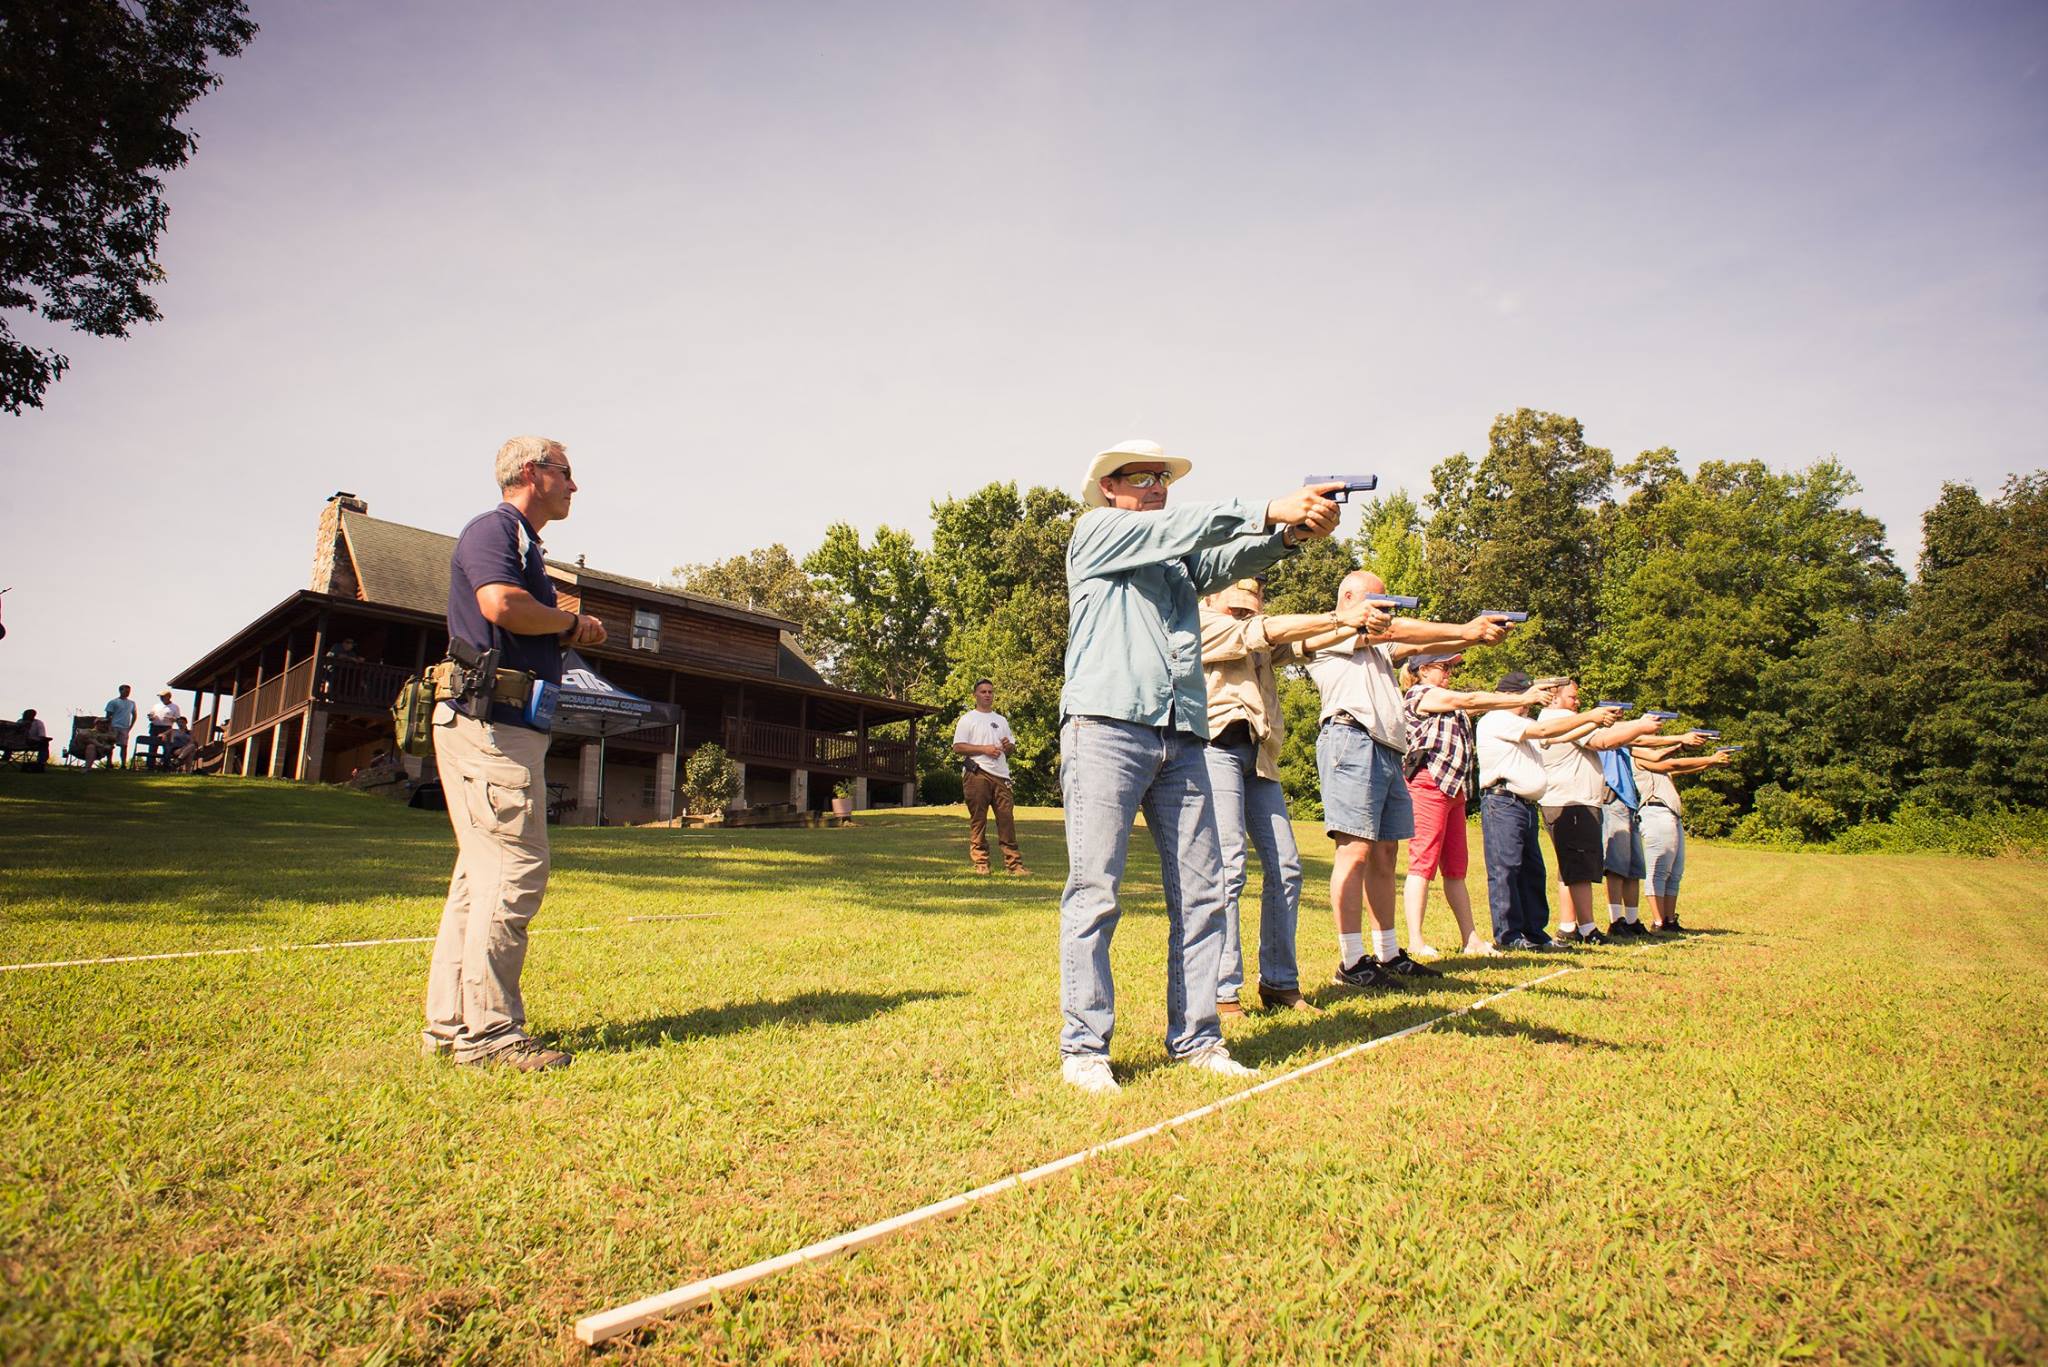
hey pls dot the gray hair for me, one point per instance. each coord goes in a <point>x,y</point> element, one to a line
<point>515,455</point>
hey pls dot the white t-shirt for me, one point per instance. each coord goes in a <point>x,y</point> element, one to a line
<point>1571,771</point>
<point>164,713</point>
<point>977,727</point>
<point>1657,787</point>
<point>1359,679</point>
<point>1506,755</point>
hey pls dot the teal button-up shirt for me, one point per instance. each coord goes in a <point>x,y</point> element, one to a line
<point>1134,632</point>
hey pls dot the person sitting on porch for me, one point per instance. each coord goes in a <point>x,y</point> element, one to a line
<point>179,746</point>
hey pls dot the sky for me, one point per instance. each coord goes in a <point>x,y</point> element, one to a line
<point>767,266</point>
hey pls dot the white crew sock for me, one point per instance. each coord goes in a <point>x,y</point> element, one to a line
<point>1586,931</point>
<point>1567,928</point>
<point>1613,912</point>
<point>1350,947</point>
<point>1634,915</point>
<point>1385,945</point>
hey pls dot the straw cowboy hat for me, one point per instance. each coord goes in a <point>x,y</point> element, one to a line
<point>1120,455</point>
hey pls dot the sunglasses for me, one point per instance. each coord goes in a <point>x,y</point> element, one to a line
<point>554,465</point>
<point>1145,479</point>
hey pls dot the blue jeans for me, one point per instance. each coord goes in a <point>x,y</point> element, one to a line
<point>1517,888</point>
<point>1246,803</point>
<point>1109,771</point>
<point>1364,793</point>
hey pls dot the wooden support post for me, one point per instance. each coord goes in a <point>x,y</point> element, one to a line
<point>313,745</point>
<point>277,751</point>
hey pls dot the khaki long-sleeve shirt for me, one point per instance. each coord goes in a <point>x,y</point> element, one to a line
<point>1237,665</point>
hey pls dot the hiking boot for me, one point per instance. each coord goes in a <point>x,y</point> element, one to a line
<point>1214,1058</point>
<point>526,1055</point>
<point>981,869</point>
<point>1020,871</point>
<point>1229,1008</point>
<point>1401,966</point>
<point>1089,1072</point>
<point>1283,999</point>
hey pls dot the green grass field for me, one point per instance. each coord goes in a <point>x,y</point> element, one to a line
<point>1812,1130</point>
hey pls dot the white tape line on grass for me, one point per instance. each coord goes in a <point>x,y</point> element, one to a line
<point>324,944</point>
<point>609,1324</point>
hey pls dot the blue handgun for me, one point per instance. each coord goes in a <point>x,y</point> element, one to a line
<point>1506,616</point>
<point>1710,735</point>
<point>541,704</point>
<point>1662,715</point>
<point>1624,706</point>
<point>1353,484</point>
<point>1727,749</point>
<point>1399,600</point>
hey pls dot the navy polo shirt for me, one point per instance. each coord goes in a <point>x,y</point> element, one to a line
<point>500,547</point>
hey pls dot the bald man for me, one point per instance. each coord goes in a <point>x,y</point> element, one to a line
<point>1359,756</point>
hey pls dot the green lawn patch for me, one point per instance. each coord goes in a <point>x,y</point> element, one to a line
<point>1814,1129</point>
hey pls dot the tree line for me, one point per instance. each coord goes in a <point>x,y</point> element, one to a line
<point>1759,602</point>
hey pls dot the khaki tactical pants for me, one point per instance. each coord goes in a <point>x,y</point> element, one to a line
<point>494,780</point>
<point>985,790</point>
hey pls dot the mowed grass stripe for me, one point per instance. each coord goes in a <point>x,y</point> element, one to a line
<point>246,1157</point>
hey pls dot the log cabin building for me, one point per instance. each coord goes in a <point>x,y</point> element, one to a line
<point>305,690</point>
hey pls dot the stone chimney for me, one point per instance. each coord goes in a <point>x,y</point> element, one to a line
<point>333,571</point>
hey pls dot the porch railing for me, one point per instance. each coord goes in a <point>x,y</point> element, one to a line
<point>796,747</point>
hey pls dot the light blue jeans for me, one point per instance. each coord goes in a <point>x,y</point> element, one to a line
<point>1248,804</point>
<point>1109,771</point>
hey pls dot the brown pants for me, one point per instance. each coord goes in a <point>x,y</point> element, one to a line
<point>984,790</point>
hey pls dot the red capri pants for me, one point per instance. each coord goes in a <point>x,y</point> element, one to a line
<point>1439,843</point>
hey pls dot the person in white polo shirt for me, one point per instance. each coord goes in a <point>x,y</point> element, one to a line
<point>984,740</point>
<point>1359,756</point>
<point>1575,791</point>
<point>1511,781</point>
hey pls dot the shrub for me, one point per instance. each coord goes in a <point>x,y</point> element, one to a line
<point>709,783</point>
<point>940,787</point>
<point>1707,813</point>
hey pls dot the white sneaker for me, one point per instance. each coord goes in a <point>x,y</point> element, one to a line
<point>1214,1058</point>
<point>1089,1072</point>
<point>1425,952</point>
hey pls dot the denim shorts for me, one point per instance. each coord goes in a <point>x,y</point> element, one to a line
<point>1364,793</point>
<point>1622,840</point>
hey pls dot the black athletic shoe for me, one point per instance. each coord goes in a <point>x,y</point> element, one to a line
<point>1593,937</point>
<point>1671,925</point>
<point>1545,942</point>
<point>1402,966</point>
<point>1514,944</point>
<point>1365,974</point>
<point>1635,930</point>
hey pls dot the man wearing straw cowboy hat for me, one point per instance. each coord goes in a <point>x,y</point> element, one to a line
<point>1134,725</point>
<point>1241,647</point>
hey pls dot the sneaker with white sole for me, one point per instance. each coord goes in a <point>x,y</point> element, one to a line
<point>1089,1072</point>
<point>1214,1058</point>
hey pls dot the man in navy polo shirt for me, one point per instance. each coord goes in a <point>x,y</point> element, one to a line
<point>493,764</point>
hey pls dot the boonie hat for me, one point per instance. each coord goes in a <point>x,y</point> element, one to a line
<point>1122,454</point>
<point>1245,593</point>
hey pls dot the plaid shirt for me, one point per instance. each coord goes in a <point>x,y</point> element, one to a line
<point>1440,742</point>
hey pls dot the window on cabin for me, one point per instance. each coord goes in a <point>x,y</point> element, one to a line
<point>647,791</point>
<point>646,629</point>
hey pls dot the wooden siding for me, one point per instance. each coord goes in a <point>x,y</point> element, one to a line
<point>687,638</point>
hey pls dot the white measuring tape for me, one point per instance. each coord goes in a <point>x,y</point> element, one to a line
<point>609,1324</point>
<point>323,944</point>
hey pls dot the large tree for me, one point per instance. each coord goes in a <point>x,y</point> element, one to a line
<point>91,92</point>
<point>880,630</point>
<point>767,579</point>
<point>1522,529</point>
<point>998,570</point>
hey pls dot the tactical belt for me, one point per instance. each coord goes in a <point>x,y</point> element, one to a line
<point>513,686</point>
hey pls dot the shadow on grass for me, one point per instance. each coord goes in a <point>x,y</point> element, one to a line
<point>805,1008</point>
<point>1486,1023</point>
